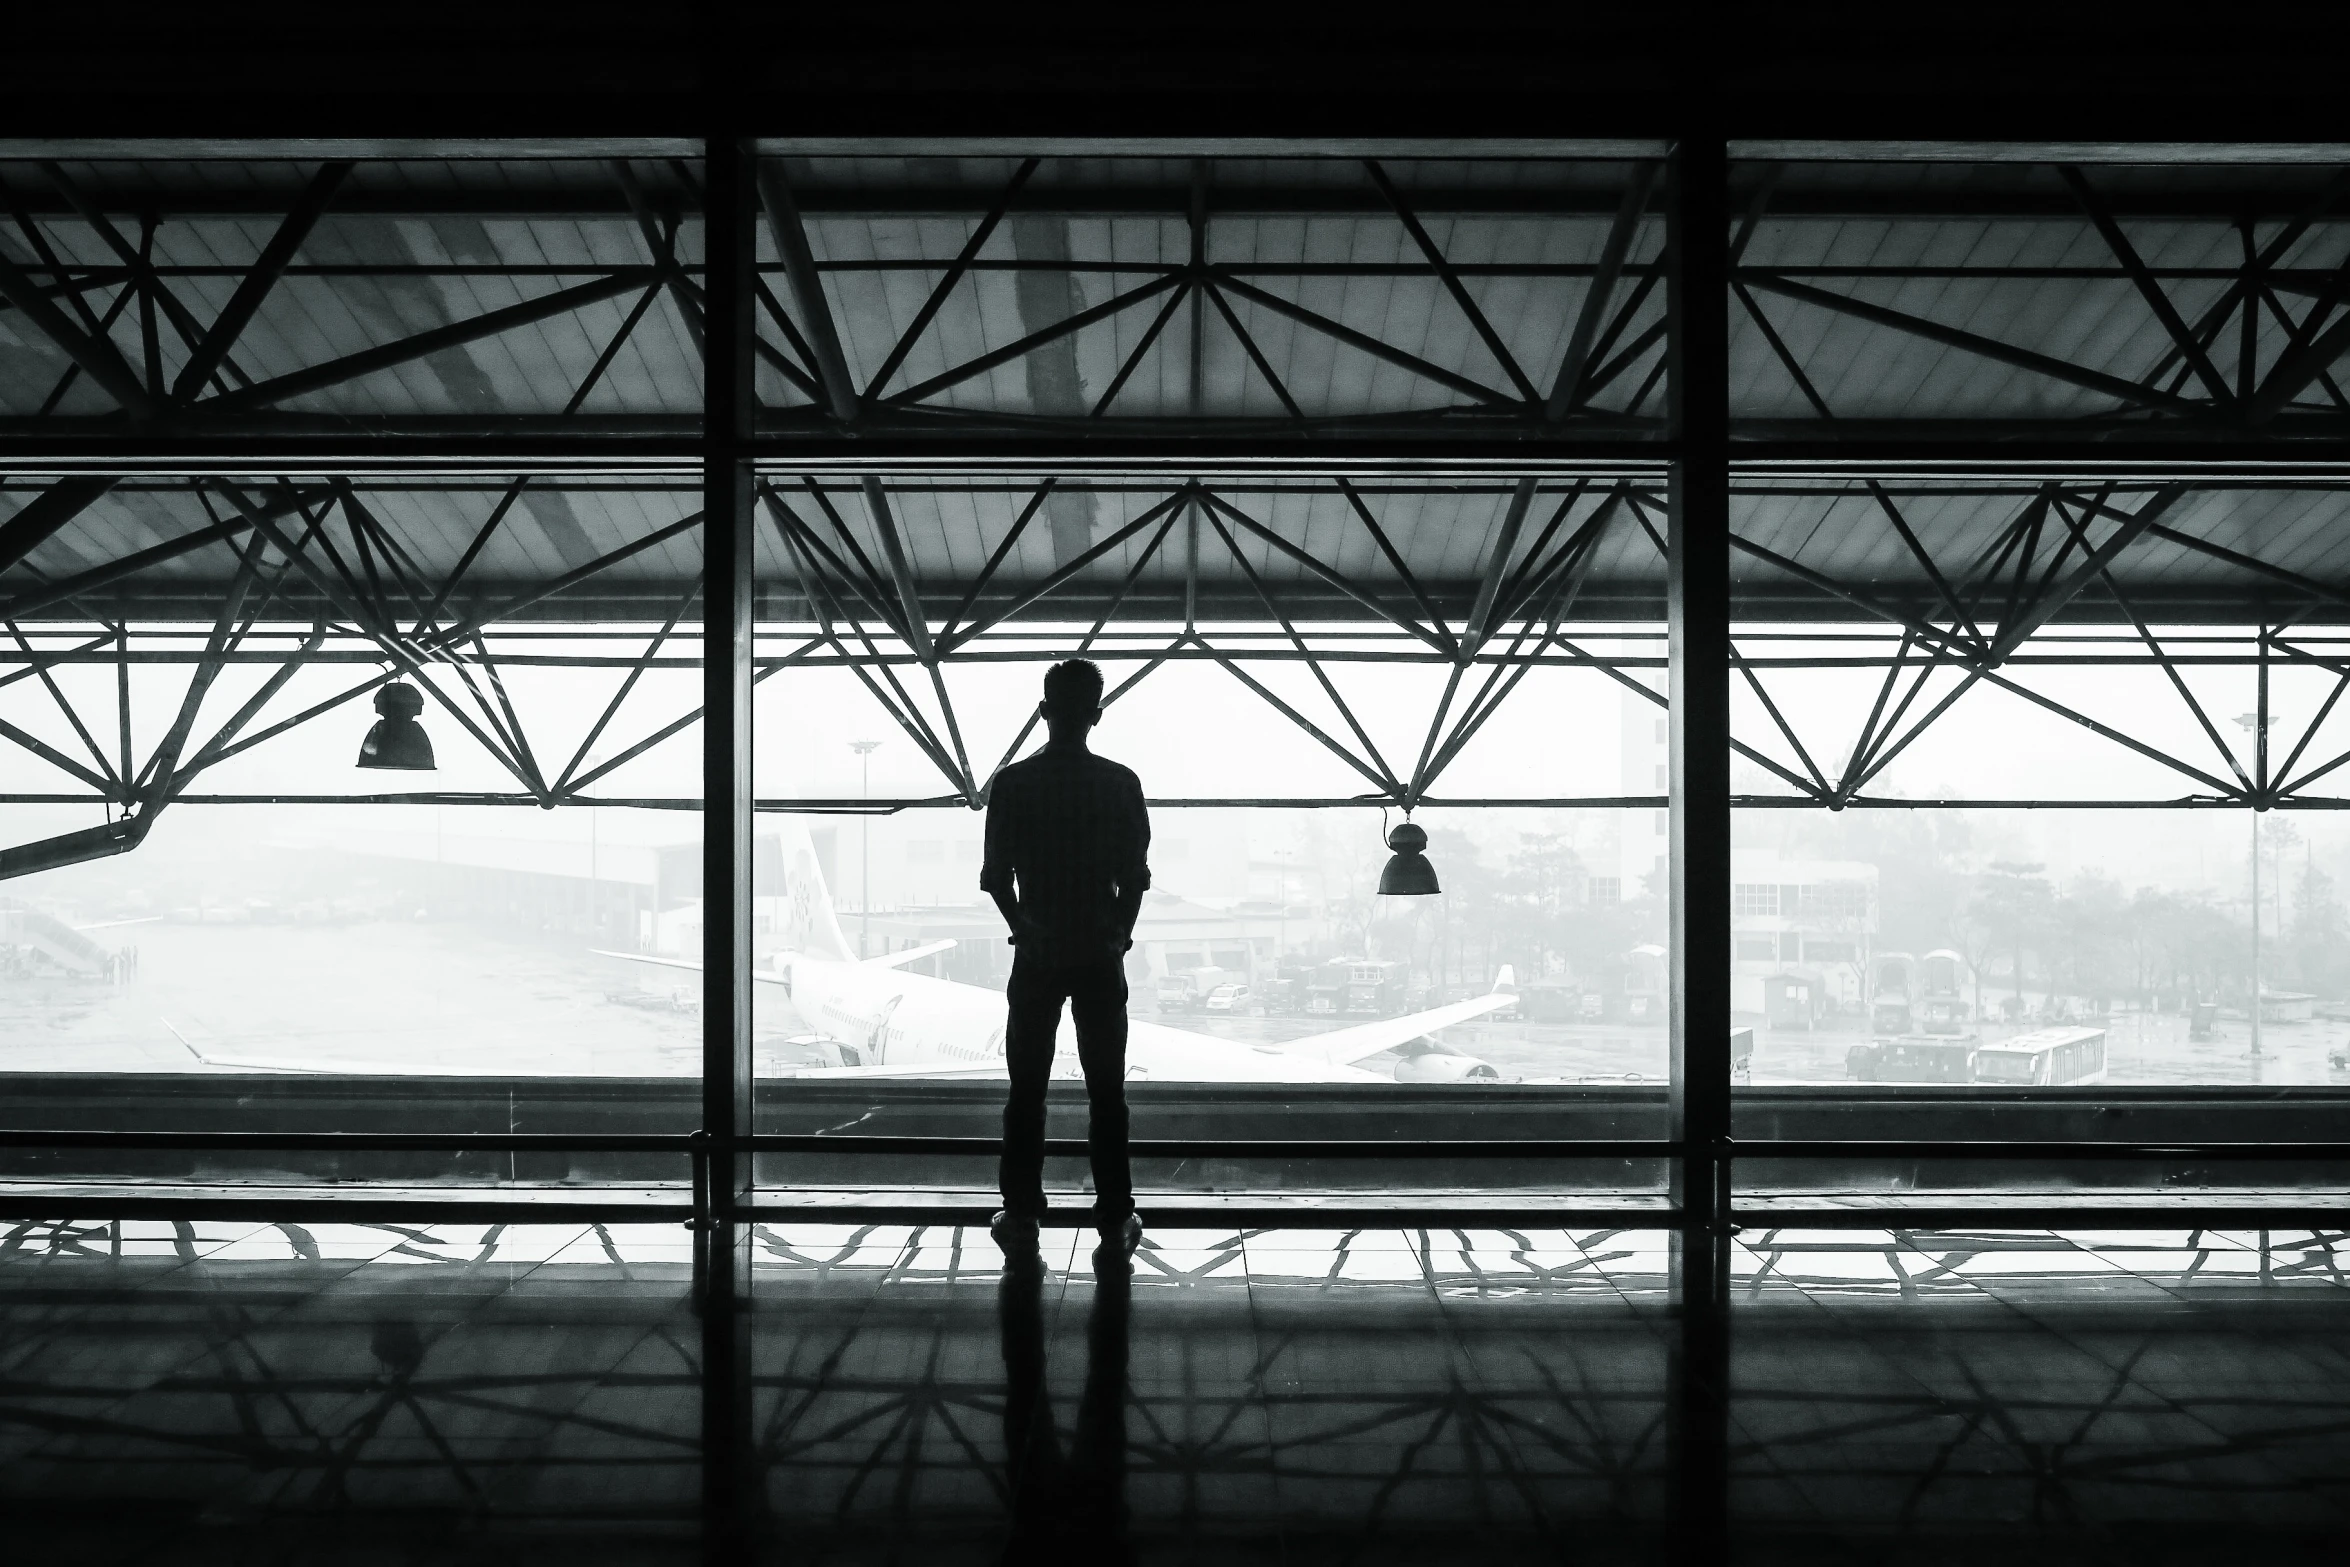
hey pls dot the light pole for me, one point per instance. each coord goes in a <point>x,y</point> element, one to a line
<point>865,750</point>
<point>2257,724</point>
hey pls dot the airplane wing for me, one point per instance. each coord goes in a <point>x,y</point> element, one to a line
<point>1349,1045</point>
<point>832,1073</point>
<point>144,919</point>
<point>910,955</point>
<point>763,976</point>
<point>284,1064</point>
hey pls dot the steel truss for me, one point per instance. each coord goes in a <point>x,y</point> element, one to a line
<point>783,475</point>
<point>2014,602</point>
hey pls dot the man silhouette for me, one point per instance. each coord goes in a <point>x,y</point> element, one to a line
<point>1067,846</point>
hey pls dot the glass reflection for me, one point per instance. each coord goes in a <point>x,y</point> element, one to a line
<point>1070,1500</point>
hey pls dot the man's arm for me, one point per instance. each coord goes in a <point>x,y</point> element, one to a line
<point>995,866</point>
<point>1134,875</point>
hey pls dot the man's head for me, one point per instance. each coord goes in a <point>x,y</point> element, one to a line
<point>1072,698</point>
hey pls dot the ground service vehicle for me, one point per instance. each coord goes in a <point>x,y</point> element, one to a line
<point>2044,1058</point>
<point>1187,989</point>
<point>1227,998</point>
<point>1913,1058</point>
<point>1357,987</point>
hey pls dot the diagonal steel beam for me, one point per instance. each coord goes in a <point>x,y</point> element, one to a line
<point>1572,571</point>
<point>1513,520</point>
<point>157,775</point>
<point>1330,575</point>
<point>105,787</point>
<point>2050,600</point>
<point>2182,339</point>
<point>101,329</point>
<point>255,287</point>
<point>1536,569</point>
<point>802,379</point>
<point>218,750</point>
<point>385,637</point>
<point>901,709</point>
<point>1064,327</point>
<point>866,580</point>
<point>1109,613</point>
<point>2286,782</point>
<point>39,520</point>
<point>807,286</point>
<point>636,672</point>
<point>1321,675</point>
<point>1452,283</point>
<point>1754,683</point>
<point>1363,341</point>
<point>217,747</point>
<point>97,357</point>
<point>676,725</point>
<point>862,579</point>
<point>506,608</point>
<point>996,557</point>
<point>385,356</point>
<point>1925,630</point>
<point>141,266</point>
<point>953,276</point>
<point>2290,375</point>
<point>1949,595</point>
<point>1143,345</point>
<point>901,572</point>
<point>1397,564</point>
<point>1566,389</point>
<point>2116,387</point>
<point>2169,667</point>
<point>1868,739</point>
<point>1075,565</point>
<point>66,708</point>
<point>661,246</point>
<point>1386,786</point>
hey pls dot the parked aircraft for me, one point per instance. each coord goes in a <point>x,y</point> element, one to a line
<point>876,1020</point>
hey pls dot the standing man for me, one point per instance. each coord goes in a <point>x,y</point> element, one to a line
<point>1067,847</point>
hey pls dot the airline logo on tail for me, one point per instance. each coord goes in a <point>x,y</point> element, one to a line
<point>810,927</point>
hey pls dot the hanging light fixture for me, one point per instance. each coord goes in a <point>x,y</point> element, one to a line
<point>398,742</point>
<point>1408,873</point>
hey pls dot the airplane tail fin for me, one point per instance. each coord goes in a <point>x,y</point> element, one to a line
<point>1506,982</point>
<point>810,927</point>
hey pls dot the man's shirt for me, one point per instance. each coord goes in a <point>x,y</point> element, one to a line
<point>1067,830</point>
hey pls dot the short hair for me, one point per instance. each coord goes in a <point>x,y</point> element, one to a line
<point>1073,686</point>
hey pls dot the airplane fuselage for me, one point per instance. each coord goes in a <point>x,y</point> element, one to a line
<point>885,1017</point>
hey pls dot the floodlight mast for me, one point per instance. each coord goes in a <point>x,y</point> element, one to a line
<point>865,750</point>
<point>2257,725</point>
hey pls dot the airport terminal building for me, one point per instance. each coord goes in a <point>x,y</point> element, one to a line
<point>527,543</point>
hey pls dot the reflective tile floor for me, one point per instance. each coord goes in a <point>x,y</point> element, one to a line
<point>220,1391</point>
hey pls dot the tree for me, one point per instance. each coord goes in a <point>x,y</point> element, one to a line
<point>2012,907</point>
<point>2091,930</point>
<point>2318,938</point>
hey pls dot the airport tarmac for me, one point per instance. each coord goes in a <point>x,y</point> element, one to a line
<point>443,997</point>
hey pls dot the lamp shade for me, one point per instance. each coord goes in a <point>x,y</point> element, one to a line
<point>398,742</point>
<point>1408,873</point>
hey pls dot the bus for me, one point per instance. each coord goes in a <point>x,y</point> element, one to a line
<point>1912,1058</point>
<point>2044,1058</point>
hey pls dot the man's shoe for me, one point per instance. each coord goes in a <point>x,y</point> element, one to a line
<point>1123,1238</point>
<point>1015,1233</point>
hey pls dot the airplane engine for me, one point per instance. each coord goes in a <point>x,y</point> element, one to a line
<point>1426,1061</point>
<point>804,1051</point>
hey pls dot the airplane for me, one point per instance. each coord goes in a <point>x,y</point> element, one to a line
<point>879,1021</point>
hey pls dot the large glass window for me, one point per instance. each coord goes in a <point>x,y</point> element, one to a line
<point>1273,993</point>
<point>404,840</point>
